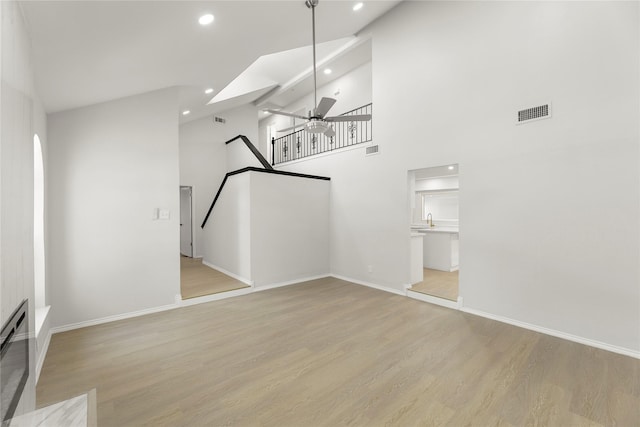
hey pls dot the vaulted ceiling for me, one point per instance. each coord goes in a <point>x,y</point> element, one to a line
<point>86,52</point>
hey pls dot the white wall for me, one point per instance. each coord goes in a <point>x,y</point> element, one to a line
<point>269,229</point>
<point>226,241</point>
<point>240,156</point>
<point>289,228</point>
<point>18,114</point>
<point>448,78</point>
<point>434,184</point>
<point>203,158</point>
<point>16,167</point>
<point>110,166</point>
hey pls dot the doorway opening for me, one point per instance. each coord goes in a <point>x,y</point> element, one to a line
<point>435,227</point>
<point>197,279</point>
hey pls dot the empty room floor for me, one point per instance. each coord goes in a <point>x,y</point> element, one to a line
<point>196,279</point>
<point>332,353</point>
<point>441,284</point>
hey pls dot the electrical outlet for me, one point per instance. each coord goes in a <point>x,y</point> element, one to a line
<point>370,268</point>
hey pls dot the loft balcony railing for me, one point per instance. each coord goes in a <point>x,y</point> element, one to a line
<point>301,144</point>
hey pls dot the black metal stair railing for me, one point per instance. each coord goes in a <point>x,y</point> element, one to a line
<point>301,144</point>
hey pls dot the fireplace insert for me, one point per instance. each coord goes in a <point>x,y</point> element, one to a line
<point>14,360</point>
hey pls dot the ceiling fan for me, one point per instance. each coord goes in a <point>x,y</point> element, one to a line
<point>317,122</point>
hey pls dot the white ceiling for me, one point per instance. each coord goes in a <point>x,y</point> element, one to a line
<point>278,79</point>
<point>86,52</point>
<point>436,172</point>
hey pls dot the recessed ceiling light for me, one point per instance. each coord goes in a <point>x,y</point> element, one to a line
<point>451,168</point>
<point>358,6</point>
<point>185,112</point>
<point>206,19</point>
<point>208,91</point>
<point>327,70</point>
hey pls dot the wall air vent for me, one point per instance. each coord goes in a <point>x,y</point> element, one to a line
<point>534,113</point>
<point>217,119</point>
<point>371,150</point>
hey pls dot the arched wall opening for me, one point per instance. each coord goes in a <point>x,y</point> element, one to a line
<point>38,224</point>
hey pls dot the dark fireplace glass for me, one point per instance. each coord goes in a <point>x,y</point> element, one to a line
<point>14,360</point>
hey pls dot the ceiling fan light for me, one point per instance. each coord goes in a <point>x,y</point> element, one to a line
<point>316,126</point>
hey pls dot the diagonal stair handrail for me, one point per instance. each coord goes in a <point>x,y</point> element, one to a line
<point>267,169</point>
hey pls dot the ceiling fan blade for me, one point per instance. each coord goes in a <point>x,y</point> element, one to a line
<point>354,118</point>
<point>324,106</point>
<point>284,113</point>
<point>330,133</point>
<point>291,128</point>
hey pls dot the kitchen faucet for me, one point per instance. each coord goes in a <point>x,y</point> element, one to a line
<point>430,219</point>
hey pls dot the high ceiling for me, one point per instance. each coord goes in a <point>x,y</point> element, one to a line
<point>86,52</point>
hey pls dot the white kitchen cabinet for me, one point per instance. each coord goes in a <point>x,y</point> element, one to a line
<point>440,250</point>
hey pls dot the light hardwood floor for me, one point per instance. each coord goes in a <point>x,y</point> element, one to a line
<point>331,353</point>
<point>196,279</point>
<point>442,284</point>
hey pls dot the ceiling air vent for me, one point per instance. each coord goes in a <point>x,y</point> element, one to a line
<point>371,150</point>
<point>534,113</point>
<point>217,119</point>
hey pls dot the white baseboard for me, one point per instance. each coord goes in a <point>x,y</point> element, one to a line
<point>93,322</point>
<point>43,354</point>
<point>289,282</point>
<point>456,305</point>
<point>228,273</point>
<point>214,297</point>
<point>369,285</point>
<point>570,337</point>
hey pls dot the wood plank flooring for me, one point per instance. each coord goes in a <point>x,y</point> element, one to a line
<point>442,284</point>
<point>196,279</point>
<point>331,353</point>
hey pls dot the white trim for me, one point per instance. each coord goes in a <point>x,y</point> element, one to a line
<point>456,305</point>
<point>289,282</point>
<point>555,333</point>
<point>113,318</point>
<point>228,273</point>
<point>43,354</point>
<point>370,285</point>
<point>192,219</point>
<point>214,297</point>
<point>41,314</point>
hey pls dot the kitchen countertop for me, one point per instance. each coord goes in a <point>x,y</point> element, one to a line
<point>436,229</point>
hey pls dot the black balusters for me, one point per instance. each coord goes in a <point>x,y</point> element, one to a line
<point>301,144</point>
